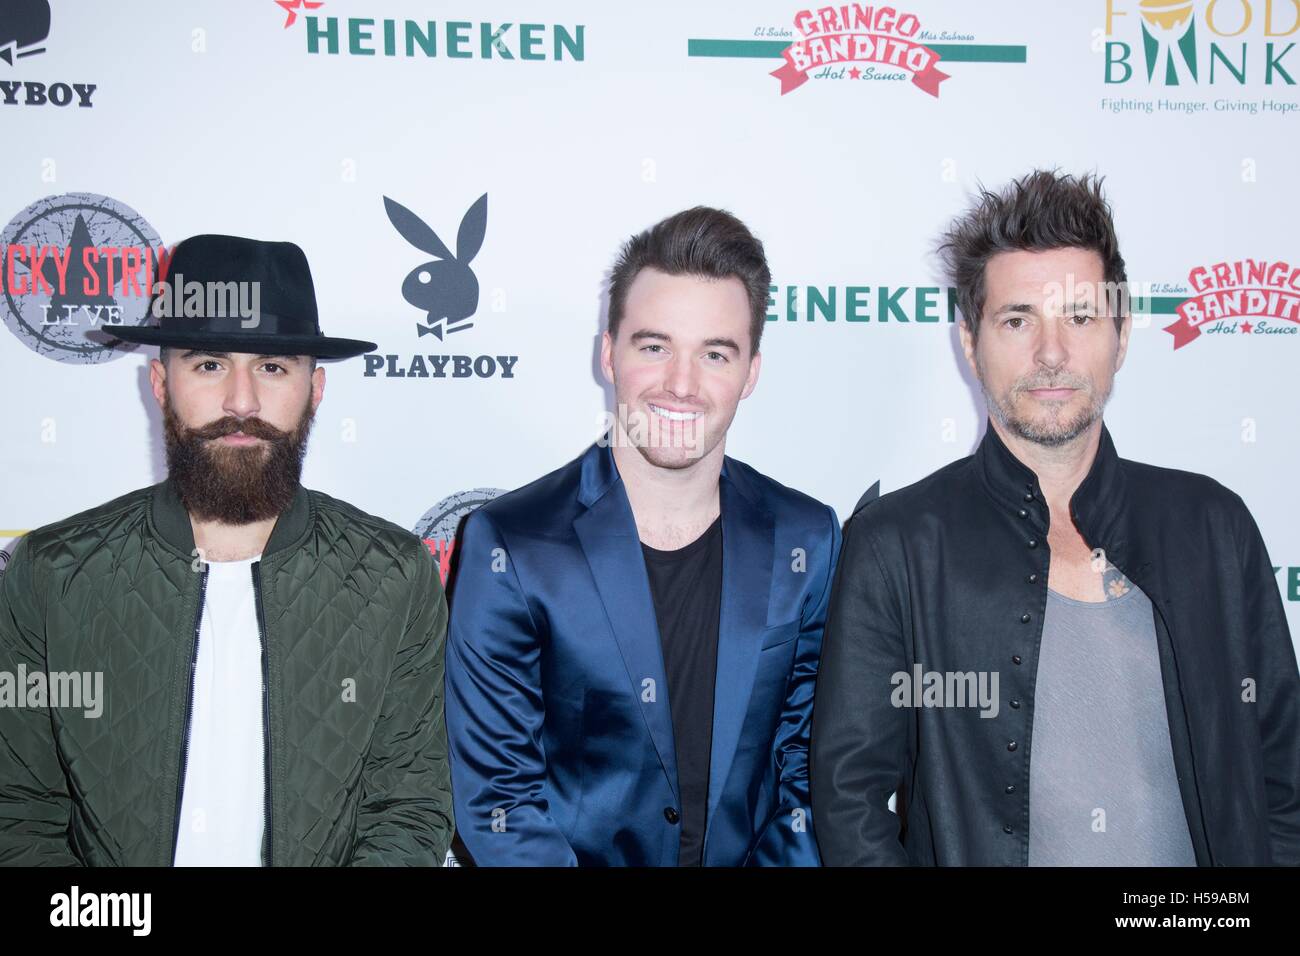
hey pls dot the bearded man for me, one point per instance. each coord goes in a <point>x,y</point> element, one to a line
<point>272,658</point>
<point>1126,616</point>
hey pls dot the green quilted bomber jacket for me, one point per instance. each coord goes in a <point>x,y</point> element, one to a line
<point>353,623</point>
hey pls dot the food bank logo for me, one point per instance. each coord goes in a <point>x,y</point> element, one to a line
<point>1189,42</point>
<point>1229,295</point>
<point>858,42</point>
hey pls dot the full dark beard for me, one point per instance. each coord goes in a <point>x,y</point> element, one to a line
<point>234,485</point>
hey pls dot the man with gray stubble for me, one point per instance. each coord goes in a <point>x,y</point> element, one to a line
<point>1130,611</point>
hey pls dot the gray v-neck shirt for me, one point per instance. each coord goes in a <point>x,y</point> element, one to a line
<point>1102,785</point>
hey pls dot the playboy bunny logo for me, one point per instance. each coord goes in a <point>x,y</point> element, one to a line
<point>445,287</point>
<point>24,31</point>
<point>23,25</point>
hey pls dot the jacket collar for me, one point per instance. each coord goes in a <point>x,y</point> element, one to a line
<point>172,521</point>
<point>599,474</point>
<point>608,535</point>
<point>1097,506</point>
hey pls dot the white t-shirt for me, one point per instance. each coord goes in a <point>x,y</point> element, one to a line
<point>222,805</point>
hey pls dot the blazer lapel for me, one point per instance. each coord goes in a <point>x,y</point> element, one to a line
<point>608,535</point>
<point>748,543</point>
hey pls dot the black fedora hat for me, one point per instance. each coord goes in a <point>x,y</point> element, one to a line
<point>197,306</point>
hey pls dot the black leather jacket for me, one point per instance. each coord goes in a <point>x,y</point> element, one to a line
<point>951,573</point>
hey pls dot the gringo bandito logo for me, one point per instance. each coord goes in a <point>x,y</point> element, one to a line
<point>1227,295</point>
<point>858,42</point>
<point>438,526</point>
<point>859,34</point>
<point>75,263</point>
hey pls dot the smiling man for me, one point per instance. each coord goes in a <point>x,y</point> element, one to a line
<point>272,657</point>
<point>634,638</point>
<point>1129,611</point>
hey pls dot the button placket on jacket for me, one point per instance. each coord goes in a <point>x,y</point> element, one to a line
<point>1033,521</point>
<point>958,534</point>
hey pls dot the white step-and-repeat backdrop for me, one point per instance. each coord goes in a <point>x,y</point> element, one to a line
<point>131,125</point>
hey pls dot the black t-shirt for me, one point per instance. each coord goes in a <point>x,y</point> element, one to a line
<point>686,585</point>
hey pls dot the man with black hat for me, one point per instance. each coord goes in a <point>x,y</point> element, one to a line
<point>272,658</point>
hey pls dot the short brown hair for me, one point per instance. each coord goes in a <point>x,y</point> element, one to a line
<point>1038,212</point>
<point>702,241</point>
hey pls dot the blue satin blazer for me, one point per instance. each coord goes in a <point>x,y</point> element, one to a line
<point>560,732</point>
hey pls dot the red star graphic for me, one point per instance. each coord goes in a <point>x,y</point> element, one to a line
<point>1246,327</point>
<point>292,6</point>
<point>855,73</point>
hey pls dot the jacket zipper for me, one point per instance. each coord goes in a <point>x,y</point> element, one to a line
<point>189,707</point>
<point>266,710</point>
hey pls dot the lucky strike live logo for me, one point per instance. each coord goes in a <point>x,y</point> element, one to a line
<point>440,526</point>
<point>1229,295</point>
<point>858,34</point>
<point>76,263</point>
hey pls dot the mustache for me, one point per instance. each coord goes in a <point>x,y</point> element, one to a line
<point>1052,381</point>
<point>253,427</point>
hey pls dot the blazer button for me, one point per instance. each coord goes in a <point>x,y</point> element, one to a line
<point>1015,658</point>
<point>1023,513</point>
<point>1032,578</point>
<point>1024,619</point>
<point>1015,703</point>
<point>1008,828</point>
<point>1011,745</point>
<point>1011,788</point>
<point>1033,542</point>
<point>1029,496</point>
<point>671,815</point>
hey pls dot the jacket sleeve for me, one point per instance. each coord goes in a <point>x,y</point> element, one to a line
<point>405,817</point>
<point>1277,685</point>
<point>788,839</point>
<point>859,740</point>
<point>34,801</point>
<point>495,711</point>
